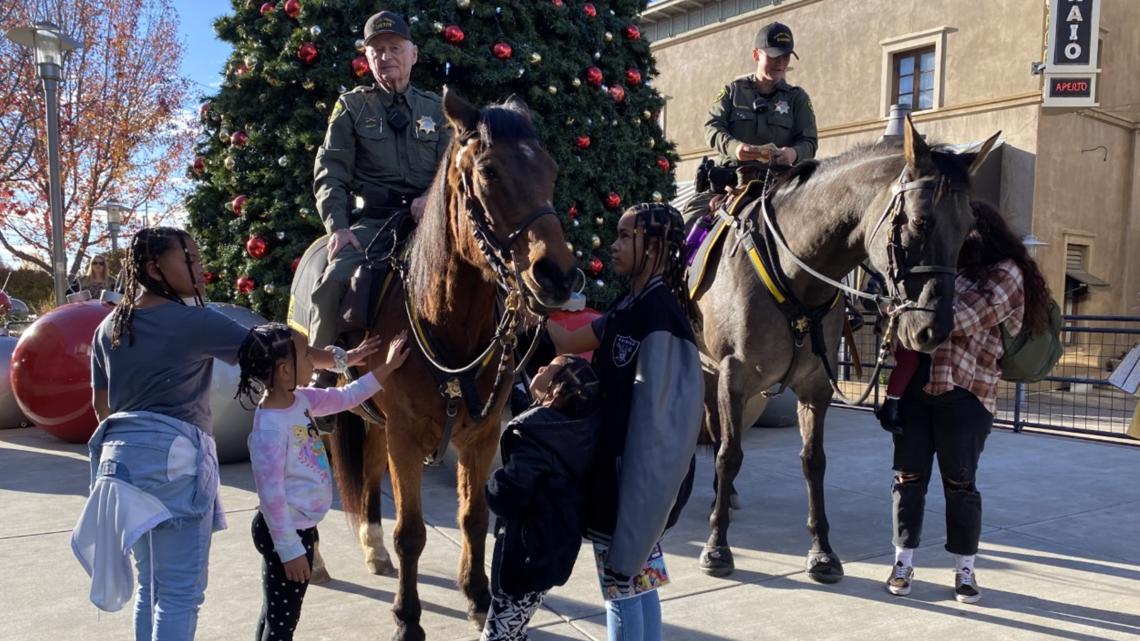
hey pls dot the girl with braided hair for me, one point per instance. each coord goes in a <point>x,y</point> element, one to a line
<point>153,455</point>
<point>653,402</point>
<point>290,467</point>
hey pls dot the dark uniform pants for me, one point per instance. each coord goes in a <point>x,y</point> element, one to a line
<point>328,294</point>
<point>697,207</point>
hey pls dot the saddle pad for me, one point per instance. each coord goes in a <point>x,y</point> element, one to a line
<point>696,272</point>
<point>307,277</point>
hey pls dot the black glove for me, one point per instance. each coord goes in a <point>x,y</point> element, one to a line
<point>888,414</point>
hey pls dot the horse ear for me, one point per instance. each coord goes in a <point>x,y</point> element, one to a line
<point>914,147</point>
<point>461,114</point>
<point>974,159</point>
<point>515,103</point>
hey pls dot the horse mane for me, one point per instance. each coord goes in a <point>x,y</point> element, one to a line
<point>432,248</point>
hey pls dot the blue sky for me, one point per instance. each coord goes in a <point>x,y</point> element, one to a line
<point>204,55</point>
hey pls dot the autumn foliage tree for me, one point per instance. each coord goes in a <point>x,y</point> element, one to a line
<point>120,134</point>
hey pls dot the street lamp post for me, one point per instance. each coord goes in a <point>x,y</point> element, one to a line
<point>50,45</point>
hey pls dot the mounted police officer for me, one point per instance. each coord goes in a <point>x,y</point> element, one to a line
<point>757,121</point>
<point>383,144</point>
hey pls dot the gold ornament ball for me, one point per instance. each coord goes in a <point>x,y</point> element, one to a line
<point>576,82</point>
<point>229,162</point>
<point>308,84</point>
<point>595,241</point>
<point>570,246</point>
<point>224,134</point>
<point>535,58</point>
<point>437,26</point>
<point>646,115</point>
<point>652,143</point>
<point>599,221</point>
<point>269,288</point>
<point>463,4</point>
<point>609,37</point>
<point>306,212</point>
<point>552,90</point>
<point>657,197</point>
<point>321,106</point>
<point>360,44</point>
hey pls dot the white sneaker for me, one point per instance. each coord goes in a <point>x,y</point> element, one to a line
<point>901,576</point>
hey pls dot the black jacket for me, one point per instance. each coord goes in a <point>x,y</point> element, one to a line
<point>538,496</point>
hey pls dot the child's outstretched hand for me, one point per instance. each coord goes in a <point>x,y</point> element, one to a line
<point>298,570</point>
<point>397,354</point>
<point>366,348</point>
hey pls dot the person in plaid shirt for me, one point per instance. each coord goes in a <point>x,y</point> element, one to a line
<point>947,408</point>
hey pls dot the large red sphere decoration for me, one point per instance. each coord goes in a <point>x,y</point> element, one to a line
<point>239,138</point>
<point>594,76</point>
<point>238,204</point>
<point>51,370</point>
<point>359,66</point>
<point>256,246</point>
<point>245,284</point>
<point>582,142</point>
<point>590,10</point>
<point>295,264</point>
<point>199,165</point>
<point>293,8</point>
<point>595,266</point>
<point>307,52</point>
<point>631,32</point>
<point>268,8</point>
<point>5,305</point>
<point>502,50</point>
<point>617,92</point>
<point>571,321</point>
<point>454,34</point>
<point>633,77</point>
<point>613,200</point>
<point>663,163</point>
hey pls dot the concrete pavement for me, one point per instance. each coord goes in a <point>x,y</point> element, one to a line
<point>1059,556</point>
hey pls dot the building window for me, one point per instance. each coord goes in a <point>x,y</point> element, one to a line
<point>914,78</point>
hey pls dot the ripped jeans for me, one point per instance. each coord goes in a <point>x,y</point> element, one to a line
<point>952,426</point>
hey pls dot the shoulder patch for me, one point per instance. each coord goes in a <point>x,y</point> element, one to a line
<point>337,110</point>
<point>722,94</point>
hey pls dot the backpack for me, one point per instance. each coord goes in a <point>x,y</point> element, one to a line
<point>1029,357</point>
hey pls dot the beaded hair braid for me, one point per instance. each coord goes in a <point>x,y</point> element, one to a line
<point>260,352</point>
<point>147,245</point>
<point>579,385</point>
<point>664,222</point>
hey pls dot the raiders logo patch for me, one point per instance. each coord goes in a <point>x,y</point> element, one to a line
<point>625,348</point>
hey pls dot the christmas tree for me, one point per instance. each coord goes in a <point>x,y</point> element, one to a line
<point>582,67</point>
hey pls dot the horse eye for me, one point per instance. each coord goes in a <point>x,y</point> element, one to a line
<point>488,172</point>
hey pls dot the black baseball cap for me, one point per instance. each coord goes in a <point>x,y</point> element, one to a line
<point>386,22</point>
<point>775,39</point>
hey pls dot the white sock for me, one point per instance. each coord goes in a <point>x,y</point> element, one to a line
<point>965,563</point>
<point>905,556</point>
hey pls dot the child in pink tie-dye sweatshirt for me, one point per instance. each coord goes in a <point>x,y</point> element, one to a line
<point>290,467</point>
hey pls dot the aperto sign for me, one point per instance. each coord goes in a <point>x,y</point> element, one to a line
<point>1071,61</point>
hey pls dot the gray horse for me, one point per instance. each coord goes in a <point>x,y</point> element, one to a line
<point>905,210</point>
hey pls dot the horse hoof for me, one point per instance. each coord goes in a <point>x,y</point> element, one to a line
<point>406,632</point>
<point>381,567</point>
<point>320,576</point>
<point>717,561</point>
<point>824,567</point>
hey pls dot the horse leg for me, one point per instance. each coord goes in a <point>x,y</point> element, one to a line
<point>371,530</point>
<point>474,468</point>
<point>320,574</point>
<point>406,463</point>
<point>716,558</point>
<point>823,564</point>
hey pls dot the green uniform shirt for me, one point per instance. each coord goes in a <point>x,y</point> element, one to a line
<point>789,120</point>
<point>362,148</point>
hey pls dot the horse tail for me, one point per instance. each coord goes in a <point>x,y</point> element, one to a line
<point>348,465</point>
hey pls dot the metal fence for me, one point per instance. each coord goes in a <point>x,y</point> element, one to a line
<point>1075,398</point>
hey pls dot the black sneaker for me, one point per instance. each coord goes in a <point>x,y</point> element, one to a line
<point>966,586</point>
<point>899,582</point>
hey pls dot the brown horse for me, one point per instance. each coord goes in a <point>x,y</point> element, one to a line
<point>906,211</point>
<point>489,228</point>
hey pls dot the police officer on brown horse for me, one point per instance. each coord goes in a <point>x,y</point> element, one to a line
<point>757,121</point>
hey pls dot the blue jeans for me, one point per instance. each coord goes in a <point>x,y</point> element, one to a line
<point>634,619</point>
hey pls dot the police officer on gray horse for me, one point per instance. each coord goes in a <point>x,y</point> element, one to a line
<point>757,121</point>
<point>383,144</point>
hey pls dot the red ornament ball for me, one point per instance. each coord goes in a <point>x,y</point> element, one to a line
<point>359,66</point>
<point>595,267</point>
<point>293,8</point>
<point>204,111</point>
<point>502,50</point>
<point>594,76</point>
<point>631,32</point>
<point>454,34</point>
<point>256,246</point>
<point>295,264</point>
<point>633,77</point>
<point>617,92</point>
<point>663,163</point>
<point>199,165</point>
<point>239,138</point>
<point>613,200</point>
<point>307,52</point>
<point>590,10</point>
<point>582,142</point>
<point>210,277</point>
<point>245,284</point>
<point>237,204</point>
<point>268,8</point>
<point>557,3</point>
<point>51,370</point>
<point>573,211</point>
